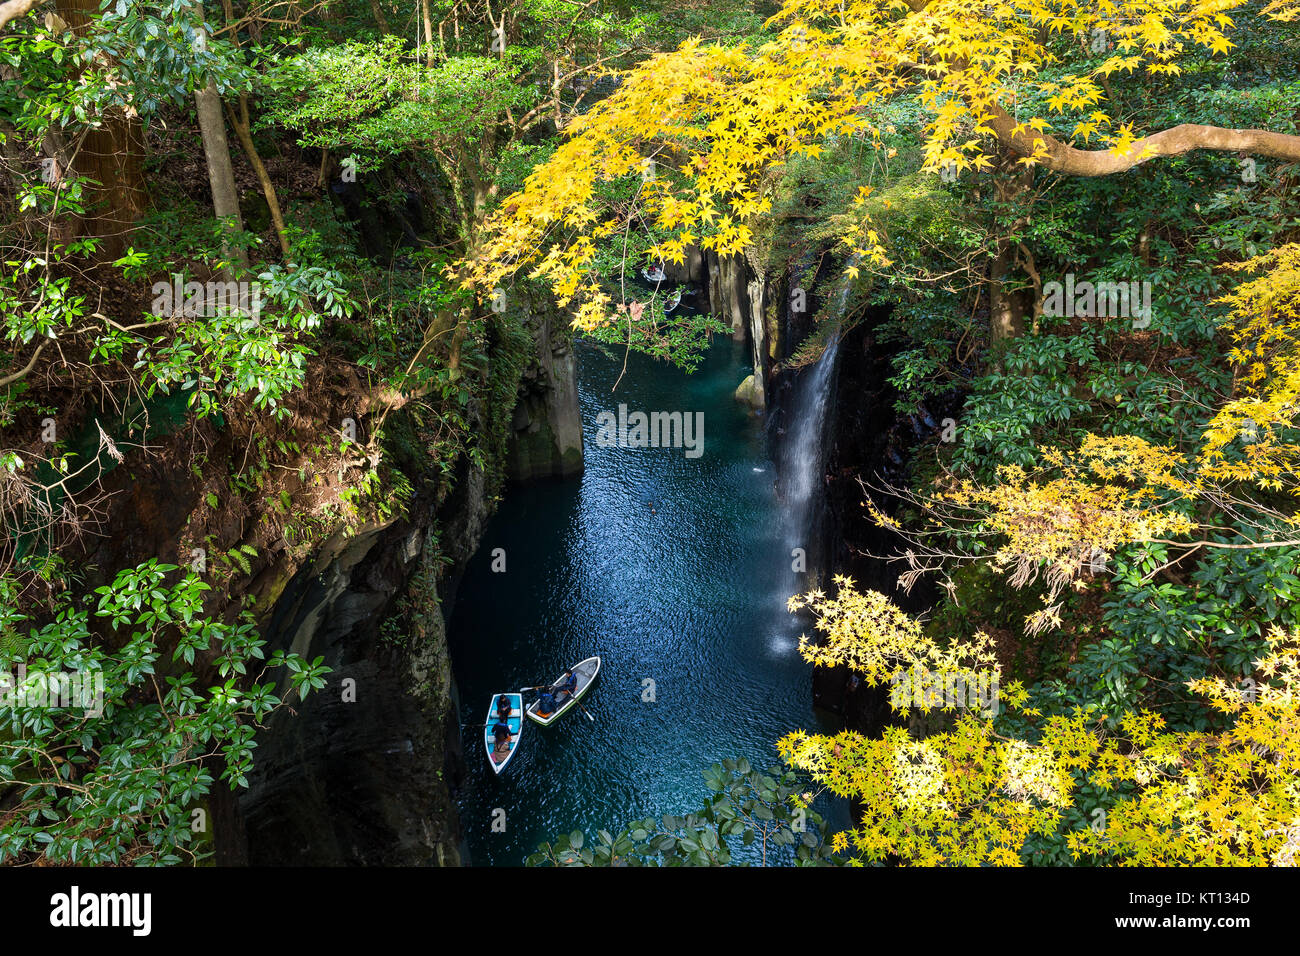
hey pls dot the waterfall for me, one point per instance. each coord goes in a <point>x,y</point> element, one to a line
<point>803,454</point>
<point>801,460</point>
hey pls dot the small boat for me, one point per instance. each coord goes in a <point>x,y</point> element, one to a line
<point>673,301</point>
<point>653,274</point>
<point>499,758</point>
<point>586,673</point>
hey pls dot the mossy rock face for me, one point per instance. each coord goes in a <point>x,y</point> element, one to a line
<point>255,212</point>
<point>546,423</point>
<point>280,574</point>
<point>571,461</point>
<point>536,451</point>
<point>306,803</point>
<point>750,392</point>
<point>532,446</point>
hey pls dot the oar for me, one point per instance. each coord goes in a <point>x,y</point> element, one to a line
<point>584,710</point>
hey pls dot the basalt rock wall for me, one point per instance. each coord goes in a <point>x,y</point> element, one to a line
<point>362,772</point>
<point>546,427</point>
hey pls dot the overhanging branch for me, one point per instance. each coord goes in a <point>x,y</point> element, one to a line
<point>1063,158</point>
<point>13,9</point>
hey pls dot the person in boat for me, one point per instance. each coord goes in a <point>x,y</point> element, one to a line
<point>546,702</point>
<point>503,707</point>
<point>566,686</point>
<point>501,737</point>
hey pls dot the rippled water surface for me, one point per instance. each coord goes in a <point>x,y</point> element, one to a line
<point>672,569</point>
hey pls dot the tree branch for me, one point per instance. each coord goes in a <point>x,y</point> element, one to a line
<point>31,363</point>
<point>13,9</point>
<point>1062,158</point>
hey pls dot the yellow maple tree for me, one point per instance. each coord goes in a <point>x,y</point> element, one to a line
<point>699,133</point>
<point>973,796</point>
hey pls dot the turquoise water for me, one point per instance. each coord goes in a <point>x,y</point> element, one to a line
<point>674,570</point>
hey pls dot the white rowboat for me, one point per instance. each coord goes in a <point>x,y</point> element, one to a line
<point>586,673</point>
<point>499,758</point>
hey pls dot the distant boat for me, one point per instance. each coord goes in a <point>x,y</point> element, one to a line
<point>586,673</point>
<point>673,301</point>
<point>499,758</point>
<point>653,274</point>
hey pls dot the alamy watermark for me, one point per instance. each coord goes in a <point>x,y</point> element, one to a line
<point>651,430</point>
<point>1085,299</point>
<point>75,909</point>
<point>206,299</point>
<point>56,690</point>
<point>921,687</point>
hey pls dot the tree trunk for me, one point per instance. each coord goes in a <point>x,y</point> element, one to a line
<point>1006,319</point>
<point>380,19</point>
<point>556,110</point>
<point>243,130</point>
<point>221,174</point>
<point>112,154</point>
<point>1007,310</point>
<point>429,48</point>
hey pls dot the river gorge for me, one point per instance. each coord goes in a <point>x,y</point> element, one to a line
<point>675,569</point>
